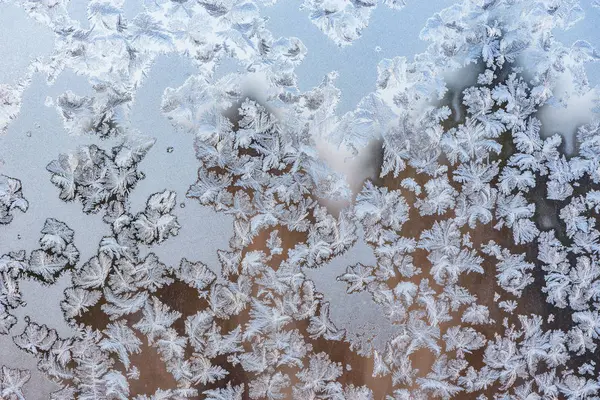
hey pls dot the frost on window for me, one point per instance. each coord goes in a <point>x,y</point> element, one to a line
<point>344,21</point>
<point>12,381</point>
<point>10,106</point>
<point>11,198</point>
<point>479,222</point>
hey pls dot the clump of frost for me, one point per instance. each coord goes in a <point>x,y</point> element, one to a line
<point>11,198</point>
<point>344,21</point>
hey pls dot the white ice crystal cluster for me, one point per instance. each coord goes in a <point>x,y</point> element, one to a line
<point>483,227</point>
<point>11,198</point>
<point>344,20</point>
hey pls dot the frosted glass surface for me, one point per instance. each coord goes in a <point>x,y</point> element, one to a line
<point>316,200</point>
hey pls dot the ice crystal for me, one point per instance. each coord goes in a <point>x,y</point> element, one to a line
<point>11,198</point>
<point>344,21</point>
<point>12,381</point>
